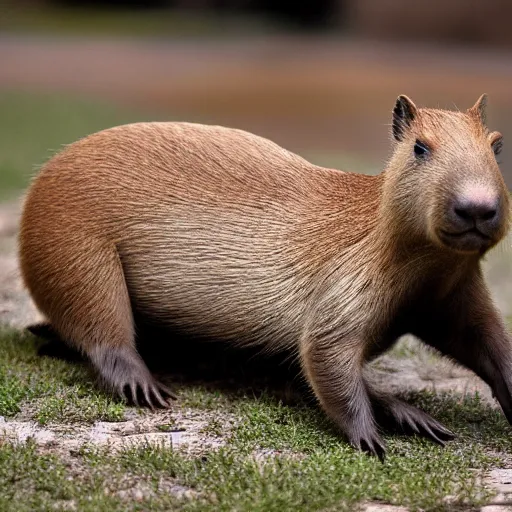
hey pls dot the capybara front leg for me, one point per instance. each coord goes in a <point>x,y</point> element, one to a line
<point>475,336</point>
<point>485,348</point>
<point>334,371</point>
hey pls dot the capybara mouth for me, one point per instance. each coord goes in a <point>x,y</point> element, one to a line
<point>469,240</point>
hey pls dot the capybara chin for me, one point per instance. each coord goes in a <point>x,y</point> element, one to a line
<point>216,232</point>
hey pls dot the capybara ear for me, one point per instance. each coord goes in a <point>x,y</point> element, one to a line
<point>478,110</point>
<point>403,115</point>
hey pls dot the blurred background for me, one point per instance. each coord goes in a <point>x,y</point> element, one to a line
<point>319,77</point>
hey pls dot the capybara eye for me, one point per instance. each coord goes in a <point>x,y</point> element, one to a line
<point>497,145</point>
<point>420,149</point>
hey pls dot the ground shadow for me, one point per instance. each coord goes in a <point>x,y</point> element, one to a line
<point>183,360</point>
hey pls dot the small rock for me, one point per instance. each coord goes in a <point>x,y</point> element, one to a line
<point>501,481</point>
<point>496,508</point>
<point>381,507</point>
<point>138,495</point>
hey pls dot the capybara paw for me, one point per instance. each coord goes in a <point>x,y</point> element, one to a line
<point>122,370</point>
<point>411,420</point>
<point>146,392</point>
<point>369,442</point>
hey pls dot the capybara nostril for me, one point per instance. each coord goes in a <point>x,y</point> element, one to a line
<point>475,212</point>
<point>489,215</point>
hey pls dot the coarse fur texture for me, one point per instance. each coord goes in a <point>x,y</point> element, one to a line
<point>217,233</point>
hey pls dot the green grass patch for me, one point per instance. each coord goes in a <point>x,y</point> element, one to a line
<point>288,458</point>
<point>275,457</point>
<point>48,389</point>
<point>31,481</point>
<point>246,475</point>
<point>156,23</point>
<point>35,126</point>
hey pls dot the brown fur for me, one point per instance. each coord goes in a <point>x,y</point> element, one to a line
<point>219,233</point>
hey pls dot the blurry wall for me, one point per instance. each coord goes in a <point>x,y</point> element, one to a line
<point>466,21</point>
<point>330,92</point>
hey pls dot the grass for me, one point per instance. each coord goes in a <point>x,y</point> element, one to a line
<point>49,390</point>
<point>35,126</point>
<point>274,457</point>
<point>161,23</point>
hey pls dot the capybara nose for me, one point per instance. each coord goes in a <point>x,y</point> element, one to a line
<point>482,215</point>
<point>475,212</point>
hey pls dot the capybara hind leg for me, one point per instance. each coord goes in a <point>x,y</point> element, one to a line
<point>54,347</point>
<point>398,416</point>
<point>43,330</point>
<point>88,305</point>
<point>123,370</point>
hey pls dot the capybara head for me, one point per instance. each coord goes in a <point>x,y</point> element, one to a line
<point>443,183</point>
